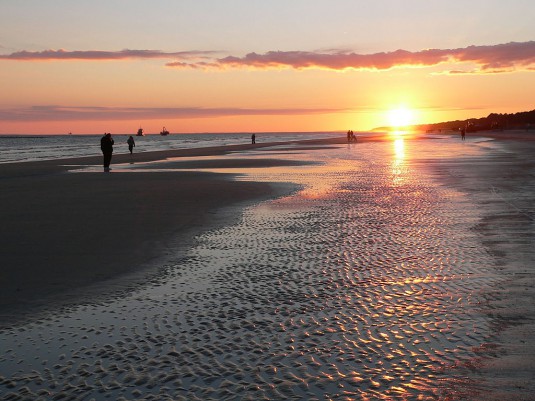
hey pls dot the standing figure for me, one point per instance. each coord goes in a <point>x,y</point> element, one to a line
<point>463,133</point>
<point>349,135</point>
<point>131,143</point>
<point>106,145</point>
<point>253,139</point>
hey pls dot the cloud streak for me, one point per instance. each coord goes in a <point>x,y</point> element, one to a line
<point>100,55</point>
<point>65,113</point>
<point>499,58</point>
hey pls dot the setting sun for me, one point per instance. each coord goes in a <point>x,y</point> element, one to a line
<point>401,117</point>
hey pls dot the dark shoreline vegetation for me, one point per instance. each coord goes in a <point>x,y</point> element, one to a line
<point>494,121</point>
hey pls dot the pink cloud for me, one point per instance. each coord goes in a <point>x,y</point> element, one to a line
<point>494,58</point>
<point>481,59</point>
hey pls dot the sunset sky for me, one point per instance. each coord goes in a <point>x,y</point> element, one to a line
<point>258,66</point>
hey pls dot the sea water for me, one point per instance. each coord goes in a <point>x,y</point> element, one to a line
<point>367,283</point>
<point>22,148</point>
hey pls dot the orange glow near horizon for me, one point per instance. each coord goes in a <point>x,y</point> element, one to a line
<point>381,101</point>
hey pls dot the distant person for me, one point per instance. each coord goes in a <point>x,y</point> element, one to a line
<point>106,145</point>
<point>253,139</point>
<point>131,144</point>
<point>463,133</point>
<point>349,135</point>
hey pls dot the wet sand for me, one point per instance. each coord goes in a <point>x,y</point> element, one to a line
<point>395,273</point>
<point>503,186</point>
<point>66,236</point>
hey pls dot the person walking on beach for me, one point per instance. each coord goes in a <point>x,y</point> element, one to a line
<point>463,134</point>
<point>131,144</point>
<point>253,139</point>
<point>106,145</point>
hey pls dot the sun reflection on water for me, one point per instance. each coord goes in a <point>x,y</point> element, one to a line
<point>399,149</point>
<point>398,161</point>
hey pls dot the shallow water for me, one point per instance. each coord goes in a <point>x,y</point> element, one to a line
<point>24,148</point>
<point>366,284</point>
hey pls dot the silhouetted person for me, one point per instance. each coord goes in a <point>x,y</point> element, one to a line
<point>106,145</point>
<point>131,143</point>
<point>253,139</point>
<point>463,133</point>
<point>349,135</point>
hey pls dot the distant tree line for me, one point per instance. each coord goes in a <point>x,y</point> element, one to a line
<point>494,121</point>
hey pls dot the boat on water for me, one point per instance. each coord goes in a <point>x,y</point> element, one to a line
<point>164,132</point>
<point>140,132</point>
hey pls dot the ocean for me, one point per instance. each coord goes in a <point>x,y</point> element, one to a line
<point>25,148</point>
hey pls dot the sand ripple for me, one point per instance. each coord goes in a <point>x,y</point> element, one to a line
<point>364,285</point>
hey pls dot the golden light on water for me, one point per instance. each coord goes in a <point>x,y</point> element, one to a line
<point>399,149</point>
<point>397,162</point>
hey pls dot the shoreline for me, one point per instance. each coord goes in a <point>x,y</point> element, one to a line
<point>121,157</point>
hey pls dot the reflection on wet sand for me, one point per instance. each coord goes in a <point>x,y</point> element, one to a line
<point>356,287</point>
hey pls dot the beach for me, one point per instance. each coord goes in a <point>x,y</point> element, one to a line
<point>391,268</point>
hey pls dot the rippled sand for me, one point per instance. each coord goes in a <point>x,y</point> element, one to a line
<point>368,283</point>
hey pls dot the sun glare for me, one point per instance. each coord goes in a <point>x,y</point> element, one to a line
<point>401,117</point>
